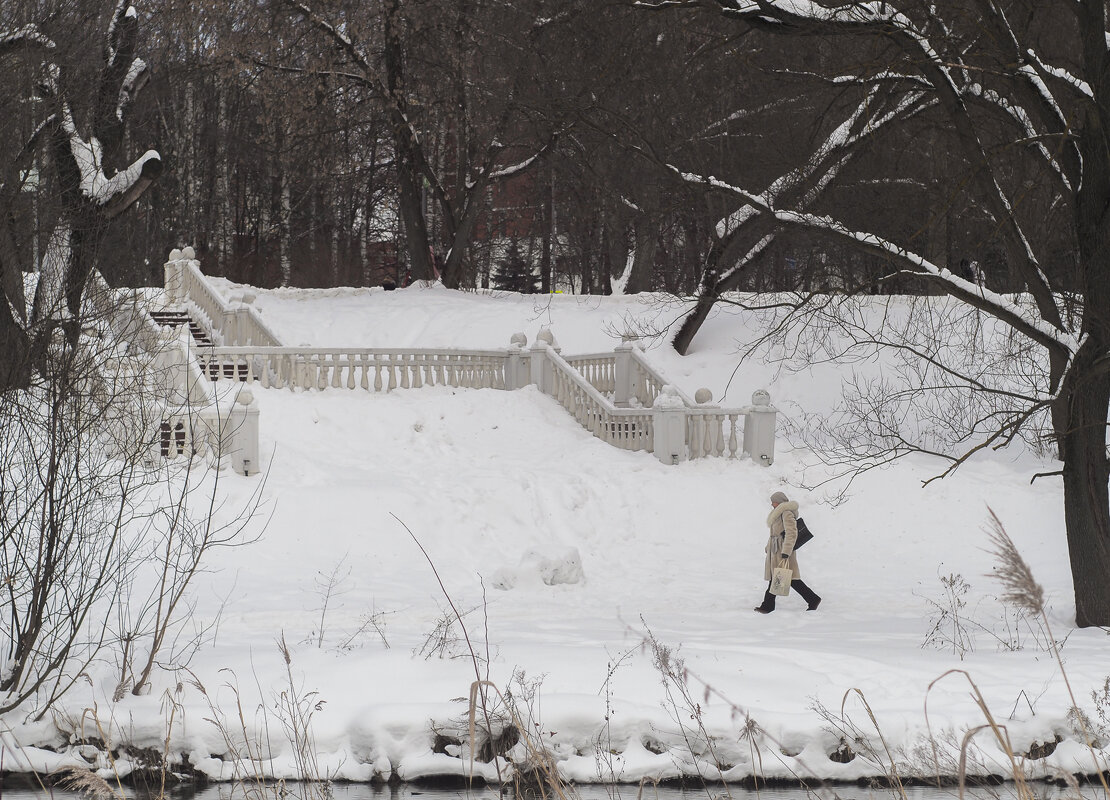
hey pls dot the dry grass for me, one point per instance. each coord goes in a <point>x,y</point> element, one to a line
<point>85,782</point>
<point>1019,587</point>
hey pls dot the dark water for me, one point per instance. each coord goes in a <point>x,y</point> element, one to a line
<point>585,792</point>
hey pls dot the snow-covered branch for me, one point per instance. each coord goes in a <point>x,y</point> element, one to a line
<point>996,304</point>
<point>866,120</point>
<point>133,82</point>
<point>26,37</point>
<point>1021,118</point>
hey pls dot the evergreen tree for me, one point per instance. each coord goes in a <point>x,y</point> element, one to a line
<point>513,273</point>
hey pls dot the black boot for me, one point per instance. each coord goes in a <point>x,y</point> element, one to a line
<point>768,604</point>
<point>807,594</point>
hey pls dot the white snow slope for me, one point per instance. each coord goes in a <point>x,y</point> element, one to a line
<point>504,490</point>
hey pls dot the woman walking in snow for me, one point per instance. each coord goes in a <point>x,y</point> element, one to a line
<point>783,522</point>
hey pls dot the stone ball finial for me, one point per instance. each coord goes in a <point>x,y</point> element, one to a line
<point>545,336</point>
<point>188,253</point>
<point>668,398</point>
<point>175,255</point>
<point>703,396</point>
<point>246,397</point>
<point>518,340</point>
<point>761,397</point>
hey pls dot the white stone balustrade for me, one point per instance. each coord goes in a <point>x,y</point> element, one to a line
<point>231,323</point>
<point>619,396</point>
<point>627,429</point>
<point>371,369</point>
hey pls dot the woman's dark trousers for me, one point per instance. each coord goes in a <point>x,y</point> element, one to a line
<point>798,586</point>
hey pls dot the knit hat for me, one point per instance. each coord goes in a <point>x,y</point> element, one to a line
<point>779,497</point>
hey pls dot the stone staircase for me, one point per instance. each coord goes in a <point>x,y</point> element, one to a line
<point>175,318</point>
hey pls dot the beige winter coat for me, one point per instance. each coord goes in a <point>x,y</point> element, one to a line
<point>783,519</point>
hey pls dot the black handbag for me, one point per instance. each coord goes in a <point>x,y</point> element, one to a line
<point>804,534</point>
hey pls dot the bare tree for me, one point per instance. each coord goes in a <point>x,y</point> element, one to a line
<point>82,144</point>
<point>458,126</point>
<point>1020,103</point>
<point>85,499</point>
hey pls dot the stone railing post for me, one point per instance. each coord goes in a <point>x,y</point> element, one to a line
<point>169,372</point>
<point>173,279</point>
<point>759,428</point>
<point>623,388</point>
<point>514,363</point>
<point>669,421</point>
<point>540,366</point>
<point>242,438</point>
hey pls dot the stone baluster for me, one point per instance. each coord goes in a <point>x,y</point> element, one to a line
<point>308,372</point>
<point>710,423</point>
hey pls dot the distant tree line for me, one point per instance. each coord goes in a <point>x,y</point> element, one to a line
<point>320,143</point>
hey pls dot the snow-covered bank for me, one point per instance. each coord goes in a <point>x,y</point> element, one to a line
<point>503,490</point>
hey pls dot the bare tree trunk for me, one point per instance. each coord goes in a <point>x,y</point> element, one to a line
<point>334,249</point>
<point>548,230</point>
<point>643,260</point>
<point>408,174</point>
<point>15,350</point>
<point>220,226</point>
<point>313,229</point>
<point>1086,473</point>
<point>285,244</point>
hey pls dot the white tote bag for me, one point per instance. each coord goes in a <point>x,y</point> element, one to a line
<point>780,581</point>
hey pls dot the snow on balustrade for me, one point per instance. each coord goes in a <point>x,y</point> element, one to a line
<point>371,369</point>
<point>647,382</point>
<point>624,428</point>
<point>599,370</point>
<point>712,433</point>
<point>233,324</point>
<point>618,397</point>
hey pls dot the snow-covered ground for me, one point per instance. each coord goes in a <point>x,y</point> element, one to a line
<point>565,554</point>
